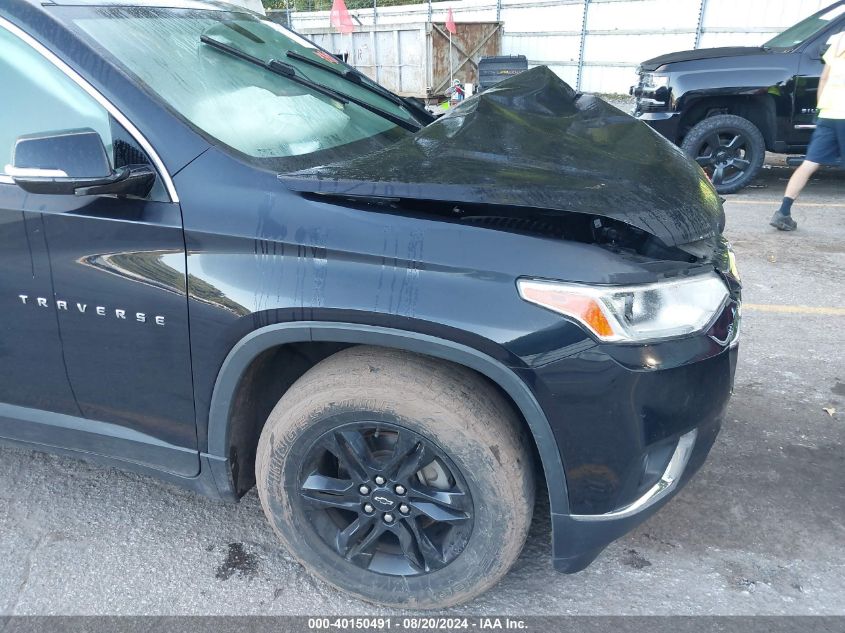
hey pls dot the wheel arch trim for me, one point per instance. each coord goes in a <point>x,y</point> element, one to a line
<point>248,348</point>
<point>762,106</point>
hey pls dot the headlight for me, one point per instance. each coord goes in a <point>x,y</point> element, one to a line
<point>653,82</point>
<point>634,313</point>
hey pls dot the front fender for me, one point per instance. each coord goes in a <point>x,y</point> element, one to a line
<point>262,339</point>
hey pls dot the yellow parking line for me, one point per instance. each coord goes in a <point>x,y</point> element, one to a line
<point>776,203</point>
<point>787,309</point>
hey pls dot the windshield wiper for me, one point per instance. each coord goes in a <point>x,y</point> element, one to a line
<point>288,71</point>
<point>357,78</point>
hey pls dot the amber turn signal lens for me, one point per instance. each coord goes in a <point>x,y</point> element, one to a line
<point>583,308</point>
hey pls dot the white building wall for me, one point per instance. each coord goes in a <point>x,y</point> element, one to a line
<point>618,34</point>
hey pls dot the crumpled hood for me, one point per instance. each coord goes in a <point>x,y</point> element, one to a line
<point>533,145</point>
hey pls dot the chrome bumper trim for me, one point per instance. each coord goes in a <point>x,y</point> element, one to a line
<point>668,480</point>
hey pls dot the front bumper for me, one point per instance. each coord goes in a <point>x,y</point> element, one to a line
<point>578,539</point>
<point>633,424</point>
<point>665,123</point>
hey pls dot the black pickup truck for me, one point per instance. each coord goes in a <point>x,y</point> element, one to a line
<point>726,106</point>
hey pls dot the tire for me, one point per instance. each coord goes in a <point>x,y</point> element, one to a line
<point>729,148</point>
<point>421,408</point>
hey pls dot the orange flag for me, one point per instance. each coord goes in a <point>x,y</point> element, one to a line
<point>450,22</point>
<point>339,17</point>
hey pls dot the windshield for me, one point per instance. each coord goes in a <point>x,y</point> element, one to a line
<point>262,114</point>
<point>805,29</point>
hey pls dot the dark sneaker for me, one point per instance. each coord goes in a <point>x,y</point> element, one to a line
<point>783,222</point>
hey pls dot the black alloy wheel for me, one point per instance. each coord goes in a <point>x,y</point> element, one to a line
<point>399,478</point>
<point>386,499</point>
<point>723,157</point>
<point>729,148</point>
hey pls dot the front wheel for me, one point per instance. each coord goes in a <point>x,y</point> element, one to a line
<point>398,478</point>
<point>729,148</point>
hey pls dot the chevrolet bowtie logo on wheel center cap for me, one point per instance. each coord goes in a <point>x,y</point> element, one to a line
<point>384,502</point>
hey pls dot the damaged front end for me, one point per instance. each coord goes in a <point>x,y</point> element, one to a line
<point>533,156</point>
<point>630,343</point>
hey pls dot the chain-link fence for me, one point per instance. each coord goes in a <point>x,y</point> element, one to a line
<point>325,5</point>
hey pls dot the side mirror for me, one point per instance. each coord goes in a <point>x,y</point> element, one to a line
<point>74,162</point>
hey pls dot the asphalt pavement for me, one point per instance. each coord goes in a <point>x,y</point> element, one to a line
<point>759,531</point>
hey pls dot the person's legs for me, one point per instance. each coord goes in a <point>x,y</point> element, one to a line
<point>824,149</point>
<point>782,219</point>
<point>799,179</point>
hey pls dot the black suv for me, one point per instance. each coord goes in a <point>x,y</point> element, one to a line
<point>726,106</point>
<point>229,260</point>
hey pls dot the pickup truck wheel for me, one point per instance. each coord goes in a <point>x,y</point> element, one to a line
<point>398,478</point>
<point>729,148</point>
